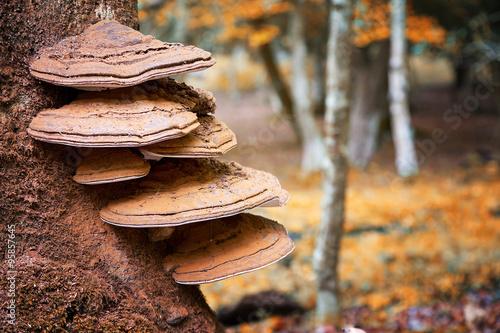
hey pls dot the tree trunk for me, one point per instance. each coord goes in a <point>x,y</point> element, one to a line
<point>279,86</point>
<point>180,27</point>
<point>312,144</point>
<point>329,235</point>
<point>369,103</point>
<point>319,71</point>
<point>406,158</point>
<point>67,270</point>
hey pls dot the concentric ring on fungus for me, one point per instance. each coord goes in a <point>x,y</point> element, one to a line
<point>182,191</point>
<point>128,117</point>
<point>211,139</point>
<point>214,250</point>
<point>110,55</point>
<point>110,165</point>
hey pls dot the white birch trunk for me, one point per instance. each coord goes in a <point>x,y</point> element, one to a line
<point>312,144</point>
<point>406,159</point>
<point>329,235</point>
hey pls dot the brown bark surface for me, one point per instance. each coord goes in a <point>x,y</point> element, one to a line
<point>71,271</point>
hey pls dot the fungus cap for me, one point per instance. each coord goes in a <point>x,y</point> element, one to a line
<point>109,166</point>
<point>200,101</point>
<point>127,117</point>
<point>211,139</point>
<point>214,250</point>
<point>111,55</point>
<point>182,191</point>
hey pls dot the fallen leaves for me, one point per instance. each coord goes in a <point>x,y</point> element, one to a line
<point>406,243</point>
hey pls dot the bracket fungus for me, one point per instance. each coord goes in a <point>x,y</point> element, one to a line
<point>200,101</point>
<point>160,233</point>
<point>126,118</point>
<point>110,165</point>
<point>214,250</point>
<point>181,191</point>
<point>211,139</point>
<point>111,55</point>
<point>133,103</point>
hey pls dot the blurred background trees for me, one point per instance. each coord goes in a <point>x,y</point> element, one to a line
<point>336,128</point>
<point>282,45</point>
<point>289,39</point>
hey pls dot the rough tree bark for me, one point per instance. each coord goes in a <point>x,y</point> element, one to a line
<point>406,158</point>
<point>329,235</point>
<point>68,270</point>
<point>369,103</point>
<point>312,141</point>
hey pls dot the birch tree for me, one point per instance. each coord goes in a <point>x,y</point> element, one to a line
<point>338,89</point>
<point>312,144</point>
<point>406,159</point>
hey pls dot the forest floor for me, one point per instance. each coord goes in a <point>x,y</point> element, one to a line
<point>416,251</point>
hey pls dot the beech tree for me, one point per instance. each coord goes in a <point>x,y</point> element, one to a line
<point>312,141</point>
<point>372,32</point>
<point>68,270</point>
<point>406,158</point>
<point>338,102</point>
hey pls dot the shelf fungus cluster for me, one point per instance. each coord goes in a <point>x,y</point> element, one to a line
<point>142,124</point>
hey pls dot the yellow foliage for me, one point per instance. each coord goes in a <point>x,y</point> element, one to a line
<point>376,301</point>
<point>142,15</point>
<point>238,21</point>
<point>425,28</point>
<point>201,17</point>
<point>426,226</point>
<point>376,25</point>
<point>235,17</point>
<point>376,22</point>
<point>263,35</point>
<point>235,32</point>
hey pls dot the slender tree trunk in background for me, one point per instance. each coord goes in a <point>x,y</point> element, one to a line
<point>369,103</point>
<point>180,27</point>
<point>329,235</point>
<point>319,72</point>
<point>237,58</point>
<point>279,86</point>
<point>312,143</point>
<point>70,271</point>
<point>495,72</point>
<point>406,158</point>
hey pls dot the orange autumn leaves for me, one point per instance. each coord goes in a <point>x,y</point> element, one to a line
<point>238,20</point>
<point>372,23</point>
<point>253,21</point>
<point>406,242</point>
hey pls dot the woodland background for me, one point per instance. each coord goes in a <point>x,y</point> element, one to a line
<point>417,250</point>
<point>419,253</point>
